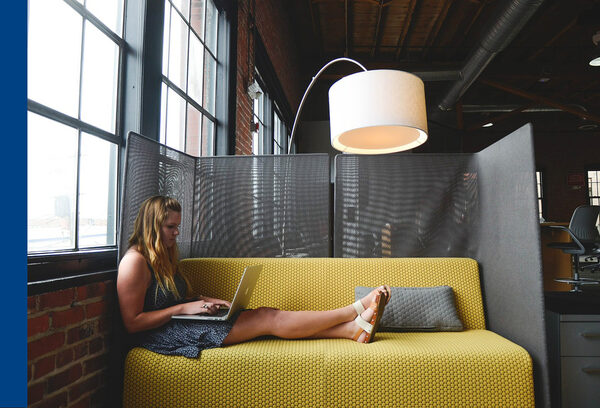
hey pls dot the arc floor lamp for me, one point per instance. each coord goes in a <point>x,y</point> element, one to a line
<point>374,112</point>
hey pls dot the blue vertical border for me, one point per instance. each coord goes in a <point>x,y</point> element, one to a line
<point>13,113</point>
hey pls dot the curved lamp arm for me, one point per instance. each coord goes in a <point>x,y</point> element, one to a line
<point>308,90</point>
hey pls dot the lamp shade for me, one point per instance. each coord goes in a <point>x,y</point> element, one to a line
<point>377,112</point>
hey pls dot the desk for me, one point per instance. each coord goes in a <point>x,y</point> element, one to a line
<point>573,334</point>
<point>555,263</point>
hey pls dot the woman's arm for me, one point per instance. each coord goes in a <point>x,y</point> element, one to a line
<point>133,280</point>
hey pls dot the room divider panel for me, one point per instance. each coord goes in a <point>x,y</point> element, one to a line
<point>233,206</point>
<point>481,205</point>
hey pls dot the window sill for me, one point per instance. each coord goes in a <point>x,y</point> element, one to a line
<point>49,272</point>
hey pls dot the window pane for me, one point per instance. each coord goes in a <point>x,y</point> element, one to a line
<point>110,12</point>
<point>211,26</point>
<point>166,36</point>
<point>175,137</point>
<point>99,79</point>
<point>194,131</point>
<point>97,192</point>
<point>210,79</point>
<point>51,184</point>
<point>54,55</point>
<point>184,7</point>
<point>196,69</point>
<point>178,51</point>
<point>163,113</point>
<point>208,139</point>
<point>197,19</point>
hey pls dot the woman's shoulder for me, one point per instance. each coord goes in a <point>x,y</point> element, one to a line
<point>133,262</point>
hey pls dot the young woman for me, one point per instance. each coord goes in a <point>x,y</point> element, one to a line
<point>151,290</point>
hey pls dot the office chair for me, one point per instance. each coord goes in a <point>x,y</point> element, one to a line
<point>583,229</point>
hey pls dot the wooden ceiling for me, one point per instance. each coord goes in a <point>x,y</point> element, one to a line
<point>541,76</point>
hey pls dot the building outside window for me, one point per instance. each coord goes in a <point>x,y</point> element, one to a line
<point>270,134</point>
<point>593,177</point>
<point>540,193</point>
<point>74,52</point>
<point>189,76</point>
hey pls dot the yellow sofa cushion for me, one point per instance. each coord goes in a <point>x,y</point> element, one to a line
<point>474,368</point>
<point>328,283</point>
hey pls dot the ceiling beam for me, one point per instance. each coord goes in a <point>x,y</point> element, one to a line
<point>500,118</point>
<point>348,20</point>
<point>439,22</point>
<point>467,31</point>
<point>540,99</point>
<point>408,21</point>
<point>377,28</point>
<point>316,26</point>
<point>553,39</point>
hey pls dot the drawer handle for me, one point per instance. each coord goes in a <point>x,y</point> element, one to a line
<point>591,370</point>
<point>590,335</point>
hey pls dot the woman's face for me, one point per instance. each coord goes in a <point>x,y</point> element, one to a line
<point>170,229</point>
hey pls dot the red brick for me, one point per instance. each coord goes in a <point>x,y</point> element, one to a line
<point>96,345</point>
<point>35,393</point>
<point>32,306</point>
<point>29,372</point>
<point>64,357</point>
<point>95,364</point>
<point>36,325</point>
<point>57,299</point>
<point>89,291</point>
<point>44,345</point>
<point>80,333</point>
<point>77,390</point>
<point>43,367</point>
<point>83,403</point>
<point>80,350</point>
<point>64,378</point>
<point>95,309</point>
<point>56,401</point>
<point>67,317</point>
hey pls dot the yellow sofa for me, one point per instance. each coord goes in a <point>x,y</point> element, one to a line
<point>472,368</point>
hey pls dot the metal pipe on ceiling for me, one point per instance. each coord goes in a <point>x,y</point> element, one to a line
<point>501,32</point>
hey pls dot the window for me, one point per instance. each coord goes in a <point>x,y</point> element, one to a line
<point>540,193</point>
<point>270,134</point>
<point>258,130</point>
<point>74,52</point>
<point>593,177</point>
<point>189,76</point>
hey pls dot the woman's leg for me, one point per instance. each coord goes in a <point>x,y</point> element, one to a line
<point>264,321</point>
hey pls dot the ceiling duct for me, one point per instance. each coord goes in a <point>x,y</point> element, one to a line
<point>503,30</point>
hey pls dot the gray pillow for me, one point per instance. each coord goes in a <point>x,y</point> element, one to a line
<point>418,309</point>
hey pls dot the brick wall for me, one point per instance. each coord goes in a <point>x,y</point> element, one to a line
<point>272,22</point>
<point>67,346</point>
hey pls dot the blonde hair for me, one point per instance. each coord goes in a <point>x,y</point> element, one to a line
<point>147,240</point>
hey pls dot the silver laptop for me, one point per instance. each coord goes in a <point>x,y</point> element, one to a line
<point>240,299</point>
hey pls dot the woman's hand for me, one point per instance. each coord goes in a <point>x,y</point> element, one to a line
<point>218,302</point>
<point>204,306</point>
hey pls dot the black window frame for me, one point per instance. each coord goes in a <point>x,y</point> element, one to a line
<point>594,167</point>
<point>139,101</point>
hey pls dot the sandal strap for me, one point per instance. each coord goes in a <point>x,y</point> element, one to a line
<point>358,306</point>
<point>363,324</point>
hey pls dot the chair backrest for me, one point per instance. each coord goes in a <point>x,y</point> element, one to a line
<point>584,223</point>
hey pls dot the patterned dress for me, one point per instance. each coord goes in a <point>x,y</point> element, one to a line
<point>179,337</point>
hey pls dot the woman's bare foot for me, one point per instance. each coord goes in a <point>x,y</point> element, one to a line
<point>366,301</point>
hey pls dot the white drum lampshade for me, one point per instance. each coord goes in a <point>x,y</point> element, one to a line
<point>377,112</point>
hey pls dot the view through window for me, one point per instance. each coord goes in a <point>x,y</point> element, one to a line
<point>74,52</point>
<point>189,72</point>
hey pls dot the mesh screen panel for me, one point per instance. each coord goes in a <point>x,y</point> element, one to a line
<point>154,169</point>
<point>405,205</point>
<point>233,206</point>
<point>262,206</point>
